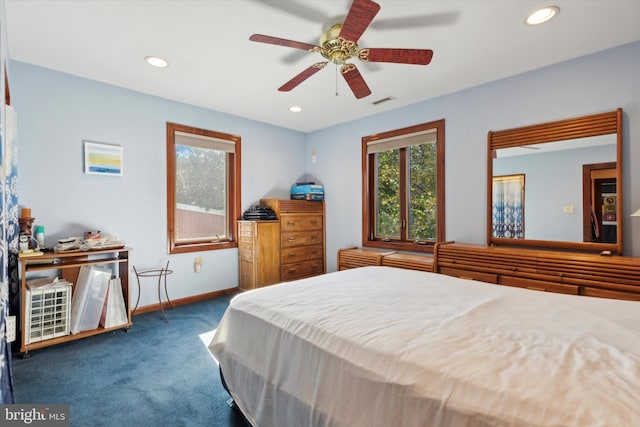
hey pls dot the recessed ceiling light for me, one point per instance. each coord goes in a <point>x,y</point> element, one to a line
<point>156,61</point>
<point>295,109</point>
<point>542,15</point>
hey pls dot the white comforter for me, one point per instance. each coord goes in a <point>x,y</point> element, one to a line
<point>379,346</point>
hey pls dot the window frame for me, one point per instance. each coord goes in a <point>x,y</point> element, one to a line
<point>368,187</point>
<point>233,190</point>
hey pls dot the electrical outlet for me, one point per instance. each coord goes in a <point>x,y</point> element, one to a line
<point>197,265</point>
<point>10,325</point>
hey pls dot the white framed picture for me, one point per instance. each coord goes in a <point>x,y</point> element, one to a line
<point>102,159</point>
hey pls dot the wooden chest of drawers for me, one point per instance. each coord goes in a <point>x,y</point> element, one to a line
<point>302,237</point>
<point>258,253</point>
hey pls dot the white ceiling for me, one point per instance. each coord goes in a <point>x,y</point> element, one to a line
<point>214,65</point>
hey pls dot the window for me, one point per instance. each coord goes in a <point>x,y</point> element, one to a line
<point>203,189</point>
<point>403,188</point>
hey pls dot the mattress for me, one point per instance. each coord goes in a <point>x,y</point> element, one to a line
<point>381,346</point>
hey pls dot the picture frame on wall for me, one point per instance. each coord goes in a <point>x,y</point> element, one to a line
<point>103,159</point>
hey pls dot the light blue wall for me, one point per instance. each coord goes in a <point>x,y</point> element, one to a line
<point>56,112</point>
<point>592,84</point>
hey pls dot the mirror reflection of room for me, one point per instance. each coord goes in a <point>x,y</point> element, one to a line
<point>508,206</point>
<point>600,202</point>
<point>554,189</point>
<point>572,195</point>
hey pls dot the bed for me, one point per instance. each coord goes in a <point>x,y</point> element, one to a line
<point>382,346</point>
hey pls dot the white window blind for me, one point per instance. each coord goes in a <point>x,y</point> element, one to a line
<point>193,140</point>
<point>429,136</point>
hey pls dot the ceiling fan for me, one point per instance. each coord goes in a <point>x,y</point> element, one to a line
<point>339,44</point>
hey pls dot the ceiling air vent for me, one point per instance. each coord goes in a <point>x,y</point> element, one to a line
<point>380,101</point>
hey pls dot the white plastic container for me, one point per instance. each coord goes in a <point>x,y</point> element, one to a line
<point>88,298</point>
<point>47,313</point>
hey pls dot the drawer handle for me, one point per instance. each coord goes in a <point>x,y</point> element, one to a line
<point>292,254</point>
<point>291,223</point>
<point>314,222</point>
<point>292,270</point>
<point>291,239</point>
<point>314,237</point>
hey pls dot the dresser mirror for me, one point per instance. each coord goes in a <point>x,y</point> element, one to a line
<point>557,184</point>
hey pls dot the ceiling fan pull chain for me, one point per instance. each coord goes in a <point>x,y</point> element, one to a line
<point>336,79</point>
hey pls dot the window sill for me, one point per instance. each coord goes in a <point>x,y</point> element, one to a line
<point>201,247</point>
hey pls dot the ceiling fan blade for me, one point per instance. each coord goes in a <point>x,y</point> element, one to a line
<point>358,19</point>
<point>355,81</point>
<point>302,76</point>
<point>399,56</point>
<point>294,56</point>
<point>260,38</point>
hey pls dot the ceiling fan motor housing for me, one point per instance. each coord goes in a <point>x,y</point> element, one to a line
<point>335,48</point>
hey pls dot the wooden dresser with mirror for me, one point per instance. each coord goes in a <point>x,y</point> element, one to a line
<point>554,212</point>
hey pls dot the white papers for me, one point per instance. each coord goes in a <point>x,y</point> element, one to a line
<point>114,312</point>
<point>88,298</point>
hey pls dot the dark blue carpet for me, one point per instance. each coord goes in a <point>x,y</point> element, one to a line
<point>155,374</point>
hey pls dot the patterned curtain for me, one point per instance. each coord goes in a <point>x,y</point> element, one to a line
<point>508,206</point>
<point>9,231</point>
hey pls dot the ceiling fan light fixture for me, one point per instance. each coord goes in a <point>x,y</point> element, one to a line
<point>156,61</point>
<point>542,15</point>
<point>295,109</point>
